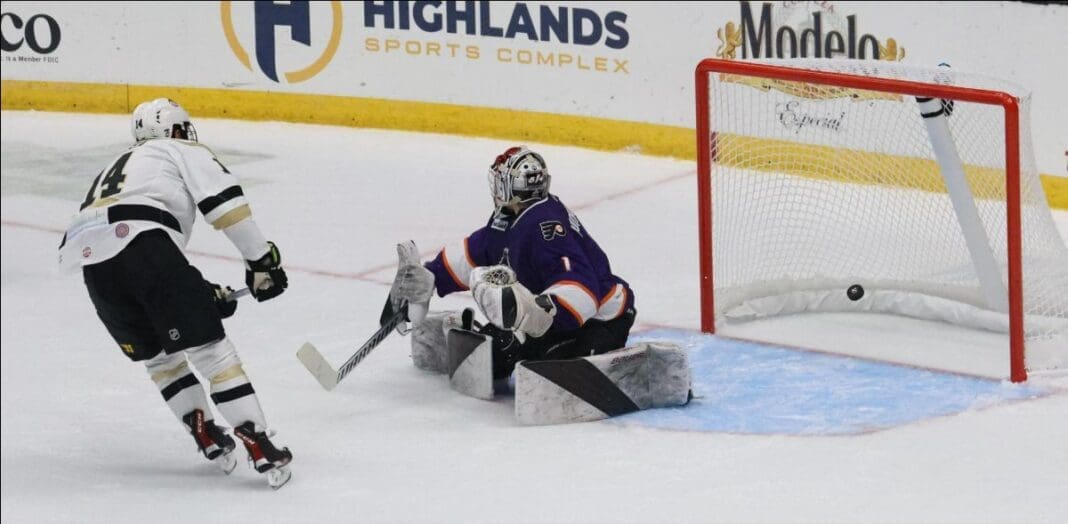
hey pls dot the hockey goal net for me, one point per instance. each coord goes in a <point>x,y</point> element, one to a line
<point>831,186</point>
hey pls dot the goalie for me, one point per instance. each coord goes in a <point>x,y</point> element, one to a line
<point>534,271</point>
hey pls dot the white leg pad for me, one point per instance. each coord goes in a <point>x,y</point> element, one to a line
<point>470,363</point>
<point>648,375</point>
<point>429,350</point>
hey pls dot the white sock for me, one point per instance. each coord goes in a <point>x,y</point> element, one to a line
<point>238,403</point>
<point>180,388</point>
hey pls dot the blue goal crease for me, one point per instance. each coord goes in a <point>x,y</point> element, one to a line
<point>750,388</point>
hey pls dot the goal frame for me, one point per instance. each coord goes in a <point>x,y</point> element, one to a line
<point>1009,103</point>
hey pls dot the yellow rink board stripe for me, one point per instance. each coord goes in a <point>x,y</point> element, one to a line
<point>825,163</point>
<point>594,133</point>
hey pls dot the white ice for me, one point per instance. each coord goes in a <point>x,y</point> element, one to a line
<point>86,437</point>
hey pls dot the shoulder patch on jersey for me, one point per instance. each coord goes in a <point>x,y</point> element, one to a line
<point>551,229</point>
<point>575,224</point>
<point>500,221</point>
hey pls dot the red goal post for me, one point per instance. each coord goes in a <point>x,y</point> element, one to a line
<point>1008,103</point>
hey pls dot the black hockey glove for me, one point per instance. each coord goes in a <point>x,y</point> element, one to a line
<point>265,277</point>
<point>221,296</point>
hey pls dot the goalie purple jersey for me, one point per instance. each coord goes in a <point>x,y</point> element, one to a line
<point>551,253</point>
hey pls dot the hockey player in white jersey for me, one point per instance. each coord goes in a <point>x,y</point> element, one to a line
<point>129,237</point>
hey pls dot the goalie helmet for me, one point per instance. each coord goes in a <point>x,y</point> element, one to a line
<point>518,176</point>
<point>161,118</point>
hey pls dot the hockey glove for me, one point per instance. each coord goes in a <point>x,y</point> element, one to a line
<point>413,284</point>
<point>265,277</point>
<point>508,304</point>
<point>221,296</point>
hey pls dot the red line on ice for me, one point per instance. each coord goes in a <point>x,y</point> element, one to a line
<point>362,276</point>
<point>366,275</point>
<point>633,190</point>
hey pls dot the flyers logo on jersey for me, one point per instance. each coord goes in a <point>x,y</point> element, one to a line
<point>296,18</point>
<point>552,229</point>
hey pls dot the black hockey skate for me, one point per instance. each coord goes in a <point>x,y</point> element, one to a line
<point>265,457</point>
<point>212,441</point>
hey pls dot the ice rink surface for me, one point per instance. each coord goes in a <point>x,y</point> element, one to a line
<point>86,437</point>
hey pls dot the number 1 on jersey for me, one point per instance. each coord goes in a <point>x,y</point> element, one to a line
<point>109,184</point>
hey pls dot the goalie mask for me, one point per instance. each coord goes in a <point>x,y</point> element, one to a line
<point>518,176</point>
<point>161,118</point>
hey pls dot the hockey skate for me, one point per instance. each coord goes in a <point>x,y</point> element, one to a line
<point>212,441</point>
<point>264,456</point>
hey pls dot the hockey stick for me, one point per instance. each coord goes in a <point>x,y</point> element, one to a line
<point>232,297</point>
<point>325,374</point>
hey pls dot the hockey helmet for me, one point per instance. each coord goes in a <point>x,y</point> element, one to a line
<point>518,176</point>
<point>161,118</point>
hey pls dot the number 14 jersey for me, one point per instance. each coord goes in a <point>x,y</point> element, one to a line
<point>156,184</point>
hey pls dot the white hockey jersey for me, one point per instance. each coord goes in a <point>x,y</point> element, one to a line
<point>156,184</point>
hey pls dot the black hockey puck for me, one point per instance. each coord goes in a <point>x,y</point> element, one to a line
<point>855,292</point>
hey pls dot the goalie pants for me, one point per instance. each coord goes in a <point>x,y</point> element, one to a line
<point>151,299</point>
<point>593,338</point>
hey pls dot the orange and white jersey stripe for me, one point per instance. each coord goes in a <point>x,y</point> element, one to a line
<point>458,262</point>
<point>612,304</point>
<point>583,305</point>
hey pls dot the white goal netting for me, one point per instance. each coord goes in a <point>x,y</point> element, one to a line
<point>817,189</point>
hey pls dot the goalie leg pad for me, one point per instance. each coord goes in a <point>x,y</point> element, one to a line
<point>649,375</point>
<point>429,347</point>
<point>470,363</point>
<point>669,375</point>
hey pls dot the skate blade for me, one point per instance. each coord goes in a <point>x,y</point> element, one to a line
<point>278,477</point>
<point>226,462</point>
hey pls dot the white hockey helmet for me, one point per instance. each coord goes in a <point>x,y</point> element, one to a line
<point>161,118</point>
<point>517,176</point>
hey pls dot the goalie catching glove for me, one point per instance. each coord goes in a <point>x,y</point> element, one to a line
<point>265,277</point>
<point>414,284</point>
<point>508,304</point>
